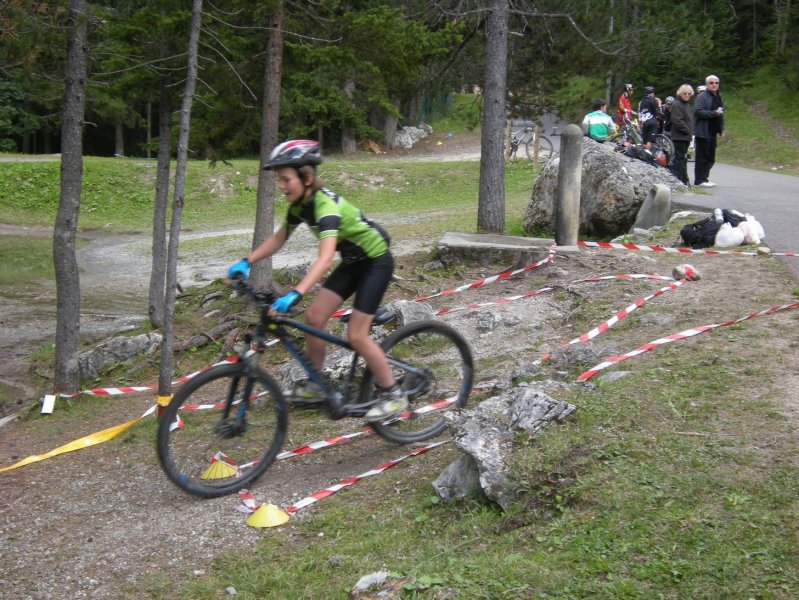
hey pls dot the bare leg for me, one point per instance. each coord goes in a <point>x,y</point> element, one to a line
<point>317,315</point>
<point>358,337</point>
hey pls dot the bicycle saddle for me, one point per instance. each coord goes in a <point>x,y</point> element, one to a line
<point>383,315</point>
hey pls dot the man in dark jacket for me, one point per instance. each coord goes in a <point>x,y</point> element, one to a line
<point>708,126</point>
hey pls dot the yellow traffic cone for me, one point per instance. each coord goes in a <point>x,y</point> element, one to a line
<point>218,469</point>
<point>267,515</point>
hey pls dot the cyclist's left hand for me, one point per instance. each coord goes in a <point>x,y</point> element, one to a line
<point>284,303</point>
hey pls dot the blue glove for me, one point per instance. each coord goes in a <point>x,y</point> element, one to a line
<point>240,269</point>
<point>284,303</point>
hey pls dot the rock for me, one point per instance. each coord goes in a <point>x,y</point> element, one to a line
<point>686,272</point>
<point>487,321</point>
<point>565,358</point>
<point>408,311</point>
<point>408,136</point>
<point>613,189</point>
<point>485,435</point>
<point>336,368</point>
<point>114,351</point>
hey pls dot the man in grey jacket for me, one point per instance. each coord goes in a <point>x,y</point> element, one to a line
<point>708,126</point>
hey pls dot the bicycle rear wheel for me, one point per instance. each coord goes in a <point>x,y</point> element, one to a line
<point>434,365</point>
<point>222,430</point>
<point>545,149</point>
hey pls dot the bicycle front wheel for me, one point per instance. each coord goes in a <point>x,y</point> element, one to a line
<point>222,430</point>
<point>664,143</point>
<point>545,149</point>
<point>433,363</point>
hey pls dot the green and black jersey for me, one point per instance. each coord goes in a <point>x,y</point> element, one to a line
<point>329,215</point>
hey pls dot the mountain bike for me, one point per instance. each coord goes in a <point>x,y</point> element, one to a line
<point>223,429</point>
<point>629,135</point>
<point>529,138</point>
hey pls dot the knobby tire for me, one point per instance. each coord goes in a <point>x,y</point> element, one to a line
<point>209,460</point>
<point>449,364</point>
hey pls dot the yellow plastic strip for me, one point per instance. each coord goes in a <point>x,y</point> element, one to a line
<point>84,442</point>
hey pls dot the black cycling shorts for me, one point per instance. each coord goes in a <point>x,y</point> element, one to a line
<point>649,130</point>
<point>367,279</point>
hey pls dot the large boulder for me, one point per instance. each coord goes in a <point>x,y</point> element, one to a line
<point>613,188</point>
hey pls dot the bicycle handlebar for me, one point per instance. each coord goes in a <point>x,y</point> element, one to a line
<point>262,299</point>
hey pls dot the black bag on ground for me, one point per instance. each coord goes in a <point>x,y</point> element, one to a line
<point>701,234</point>
<point>640,153</point>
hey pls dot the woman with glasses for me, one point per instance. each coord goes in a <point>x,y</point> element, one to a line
<point>682,128</point>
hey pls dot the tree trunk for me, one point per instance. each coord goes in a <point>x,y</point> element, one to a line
<point>149,132</point>
<point>119,139</point>
<point>67,335</point>
<point>165,373</point>
<point>348,142</point>
<point>261,274</point>
<point>155,306</point>
<point>390,129</point>
<point>491,202</point>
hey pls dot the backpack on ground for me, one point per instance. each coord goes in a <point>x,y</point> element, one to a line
<point>701,234</point>
<point>640,153</point>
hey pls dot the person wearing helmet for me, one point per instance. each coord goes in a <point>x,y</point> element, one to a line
<point>648,111</point>
<point>666,115</point>
<point>624,110</point>
<point>365,270</point>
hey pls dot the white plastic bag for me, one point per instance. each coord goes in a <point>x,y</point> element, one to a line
<point>753,232</point>
<point>729,236</point>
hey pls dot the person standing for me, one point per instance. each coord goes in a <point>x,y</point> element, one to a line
<point>682,128</point>
<point>708,126</point>
<point>624,109</point>
<point>597,124</point>
<point>648,111</point>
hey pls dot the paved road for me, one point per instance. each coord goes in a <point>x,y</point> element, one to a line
<point>771,197</point>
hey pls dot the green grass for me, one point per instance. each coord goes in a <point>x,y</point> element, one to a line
<point>25,259</point>
<point>117,193</point>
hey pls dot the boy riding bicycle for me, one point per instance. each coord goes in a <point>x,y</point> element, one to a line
<point>365,270</point>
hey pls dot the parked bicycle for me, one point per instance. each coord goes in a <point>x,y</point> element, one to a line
<point>536,146</point>
<point>223,429</point>
<point>629,135</point>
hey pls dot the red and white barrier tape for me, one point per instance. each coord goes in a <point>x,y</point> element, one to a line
<point>488,280</point>
<point>653,276</point>
<point>116,391</point>
<point>601,328</point>
<point>676,250</point>
<point>679,336</point>
<point>322,494</point>
<point>624,313</point>
<point>445,311</point>
<point>478,283</point>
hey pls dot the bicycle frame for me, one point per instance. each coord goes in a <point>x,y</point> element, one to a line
<point>338,400</point>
